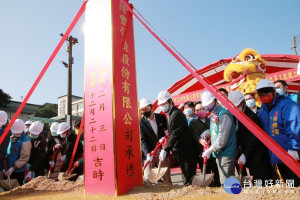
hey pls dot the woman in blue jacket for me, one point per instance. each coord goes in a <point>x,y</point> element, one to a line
<point>18,151</point>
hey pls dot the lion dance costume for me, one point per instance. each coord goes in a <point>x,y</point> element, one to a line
<point>244,72</point>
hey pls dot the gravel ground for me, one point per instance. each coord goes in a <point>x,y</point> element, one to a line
<point>43,188</point>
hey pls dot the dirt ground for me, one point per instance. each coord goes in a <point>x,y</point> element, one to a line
<point>43,188</point>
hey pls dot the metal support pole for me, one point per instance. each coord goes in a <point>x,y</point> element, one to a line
<point>69,95</point>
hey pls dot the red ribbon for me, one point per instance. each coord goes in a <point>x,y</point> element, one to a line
<point>45,68</point>
<point>256,130</point>
<point>76,144</point>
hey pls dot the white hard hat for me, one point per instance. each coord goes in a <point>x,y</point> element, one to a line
<point>207,98</point>
<point>29,122</point>
<point>163,97</point>
<point>36,128</point>
<point>144,102</point>
<point>264,83</point>
<point>54,127</point>
<point>62,127</point>
<point>236,97</point>
<point>18,126</point>
<point>3,118</point>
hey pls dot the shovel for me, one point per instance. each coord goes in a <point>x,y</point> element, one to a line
<point>53,158</point>
<point>66,176</point>
<point>203,179</point>
<point>242,178</point>
<point>157,173</point>
<point>9,184</point>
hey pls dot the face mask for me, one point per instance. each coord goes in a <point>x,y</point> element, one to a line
<point>64,135</point>
<point>280,91</point>
<point>26,130</point>
<point>201,114</point>
<point>250,103</point>
<point>147,114</point>
<point>188,111</point>
<point>267,99</point>
<point>33,136</point>
<point>164,108</point>
<point>211,107</point>
<point>54,134</point>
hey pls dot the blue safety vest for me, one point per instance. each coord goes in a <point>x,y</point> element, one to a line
<point>230,149</point>
<point>14,151</point>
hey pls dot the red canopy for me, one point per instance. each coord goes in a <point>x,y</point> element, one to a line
<point>278,67</point>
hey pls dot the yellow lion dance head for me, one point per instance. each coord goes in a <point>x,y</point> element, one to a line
<point>244,72</point>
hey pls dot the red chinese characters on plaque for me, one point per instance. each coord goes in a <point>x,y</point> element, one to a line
<point>129,168</point>
<point>112,139</point>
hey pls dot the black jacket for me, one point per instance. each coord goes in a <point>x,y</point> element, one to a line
<point>255,151</point>
<point>38,158</point>
<point>50,145</point>
<point>197,128</point>
<point>148,138</point>
<point>181,138</point>
<point>69,151</point>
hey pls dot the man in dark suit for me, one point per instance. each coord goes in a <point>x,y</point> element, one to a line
<point>64,130</point>
<point>180,142</point>
<point>152,128</point>
<point>252,152</point>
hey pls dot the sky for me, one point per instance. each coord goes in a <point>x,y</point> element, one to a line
<point>203,31</point>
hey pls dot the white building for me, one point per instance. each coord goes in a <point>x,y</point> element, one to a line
<point>77,108</point>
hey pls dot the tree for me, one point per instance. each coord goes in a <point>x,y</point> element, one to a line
<point>47,110</point>
<point>4,99</point>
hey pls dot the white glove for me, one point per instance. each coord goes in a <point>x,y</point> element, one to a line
<point>202,142</point>
<point>242,159</point>
<point>161,139</point>
<point>149,158</point>
<point>63,158</point>
<point>207,153</point>
<point>57,146</point>
<point>162,155</point>
<point>51,163</point>
<point>76,164</point>
<point>9,172</point>
<point>203,135</point>
<point>294,154</point>
<point>167,133</point>
<point>29,175</point>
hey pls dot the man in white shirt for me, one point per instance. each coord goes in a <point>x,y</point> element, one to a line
<point>152,129</point>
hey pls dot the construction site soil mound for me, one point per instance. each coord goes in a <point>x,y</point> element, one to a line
<point>44,188</point>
